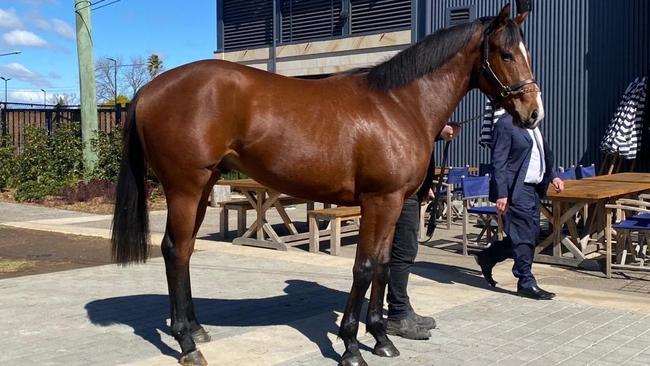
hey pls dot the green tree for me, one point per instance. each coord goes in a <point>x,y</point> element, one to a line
<point>154,65</point>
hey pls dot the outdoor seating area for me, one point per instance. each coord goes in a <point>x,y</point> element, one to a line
<point>596,219</point>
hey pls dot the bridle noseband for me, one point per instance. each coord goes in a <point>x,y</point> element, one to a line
<point>504,91</point>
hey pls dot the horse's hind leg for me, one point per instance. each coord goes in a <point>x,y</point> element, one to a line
<point>380,214</point>
<point>186,205</point>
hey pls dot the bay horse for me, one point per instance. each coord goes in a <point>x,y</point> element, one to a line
<point>356,138</point>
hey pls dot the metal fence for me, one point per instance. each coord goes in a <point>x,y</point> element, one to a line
<point>17,117</point>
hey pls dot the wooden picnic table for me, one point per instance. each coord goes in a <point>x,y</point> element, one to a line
<point>262,199</point>
<point>261,233</point>
<point>578,194</point>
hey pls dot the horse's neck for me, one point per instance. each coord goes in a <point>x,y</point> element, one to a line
<point>439,93</point>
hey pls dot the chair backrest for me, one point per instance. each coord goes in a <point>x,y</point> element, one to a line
<point>474,187</point>
<point>455,175</point>
<point>485,169</point>
<point>567,174</point>
<point>585,171</point>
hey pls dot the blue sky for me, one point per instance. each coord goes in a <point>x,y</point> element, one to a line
<point>44,31</point>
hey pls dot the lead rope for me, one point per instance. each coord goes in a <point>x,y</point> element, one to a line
<point>433,206</point>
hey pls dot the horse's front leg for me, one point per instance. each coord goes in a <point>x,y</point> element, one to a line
<point>379,215</point>
<point>185,214</point>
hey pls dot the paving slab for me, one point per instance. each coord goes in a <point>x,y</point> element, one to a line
<point>265,307</point>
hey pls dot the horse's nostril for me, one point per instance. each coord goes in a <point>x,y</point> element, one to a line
<point>534,115</point>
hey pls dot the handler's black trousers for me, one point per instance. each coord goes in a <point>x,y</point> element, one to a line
<point>521,224</point>
<point>405,248</point>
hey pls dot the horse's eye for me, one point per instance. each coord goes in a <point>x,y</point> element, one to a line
<point>507,56</point>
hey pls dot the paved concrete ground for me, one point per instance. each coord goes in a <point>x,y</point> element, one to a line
<point>266,307</point>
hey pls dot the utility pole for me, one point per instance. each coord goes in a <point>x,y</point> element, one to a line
<point>4,110</point>
<point>44,98</point>
<point>87,86</point>
<point>114,77</point>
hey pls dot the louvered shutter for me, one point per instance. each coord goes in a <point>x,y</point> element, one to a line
<point>247,24</point>
<point>307,20</point>
<point>375,16</point>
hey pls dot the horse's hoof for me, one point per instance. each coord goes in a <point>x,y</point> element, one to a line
<point>201,336</point>
<point>386,350</point>
<point>194,358</point>
<point>352,359</point>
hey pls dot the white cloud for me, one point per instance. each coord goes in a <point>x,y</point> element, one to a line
<point>19,72</point>
<point>42,24</point>
<point>9,19</point>
<point>25,96</point>
<point>63,29</point>
<point>23,38</point>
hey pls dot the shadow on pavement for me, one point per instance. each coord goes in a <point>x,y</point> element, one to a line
<point>448,274</point>
<point>147,314</point>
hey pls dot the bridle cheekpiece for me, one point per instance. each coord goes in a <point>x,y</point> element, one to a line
<point>504,91</point>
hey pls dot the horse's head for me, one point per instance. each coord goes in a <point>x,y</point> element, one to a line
<point>505,69</point>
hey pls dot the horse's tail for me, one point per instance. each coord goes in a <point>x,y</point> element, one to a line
<point>130,234</point>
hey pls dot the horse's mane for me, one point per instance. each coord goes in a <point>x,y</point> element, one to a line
<point>430,53</point>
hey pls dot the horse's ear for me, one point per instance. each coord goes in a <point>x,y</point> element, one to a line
<point>503,16</point>
<point>520,18</point>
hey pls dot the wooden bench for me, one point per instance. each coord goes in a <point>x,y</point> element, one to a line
<point>242,206</point>
<point>334,215</point>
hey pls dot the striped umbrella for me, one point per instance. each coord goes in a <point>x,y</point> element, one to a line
<point>490,117</point>
<point>623,136</point>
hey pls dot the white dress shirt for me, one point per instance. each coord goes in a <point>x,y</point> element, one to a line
<point>536,168</point>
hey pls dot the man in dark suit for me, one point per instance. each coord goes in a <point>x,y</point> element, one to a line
<point>523,170</point>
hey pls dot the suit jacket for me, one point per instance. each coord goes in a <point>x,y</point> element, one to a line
<point>511,151</point>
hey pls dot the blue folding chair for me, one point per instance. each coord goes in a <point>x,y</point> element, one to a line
<point>475,202</point>
<point>630,254</point>
<point>453,187</point>
<point>569,174</point>
<point>585,171</point>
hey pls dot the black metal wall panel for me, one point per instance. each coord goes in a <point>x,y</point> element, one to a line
<point>584,54</point>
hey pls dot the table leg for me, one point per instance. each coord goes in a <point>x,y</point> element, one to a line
<point>557,229</point>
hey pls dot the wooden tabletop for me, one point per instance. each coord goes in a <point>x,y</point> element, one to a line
<point>243,184</point>
<point>594,190</point>
<point>472,170</point>
<point>622,177</point>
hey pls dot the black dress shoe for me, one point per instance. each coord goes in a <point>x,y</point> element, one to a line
<point>407,328</point>
<point>486,268</point>
<point>535,292</point>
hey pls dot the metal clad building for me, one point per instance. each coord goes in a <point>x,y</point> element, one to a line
<point>584,52</point>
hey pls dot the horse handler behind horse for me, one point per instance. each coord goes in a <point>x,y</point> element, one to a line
<point>402,320</point>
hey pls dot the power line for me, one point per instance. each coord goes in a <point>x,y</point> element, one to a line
<point>105,5</point>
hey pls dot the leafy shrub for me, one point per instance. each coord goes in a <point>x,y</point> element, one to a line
<point>36,190</point>
<point>8,164</point>
<point>49,163</point>
<point>108,147</point>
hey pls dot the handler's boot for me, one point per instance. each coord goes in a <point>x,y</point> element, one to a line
<point>425,322</point>
<point>407,328</point>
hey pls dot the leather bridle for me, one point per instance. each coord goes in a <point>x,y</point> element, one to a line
<point>504,91</point>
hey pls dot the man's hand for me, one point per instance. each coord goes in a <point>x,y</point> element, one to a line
<point>502,206</point>
<point>449,132</point>
<point>558,184</point>
<point>429,196</point>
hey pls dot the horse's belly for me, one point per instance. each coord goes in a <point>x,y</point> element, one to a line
<point>307,180</point>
